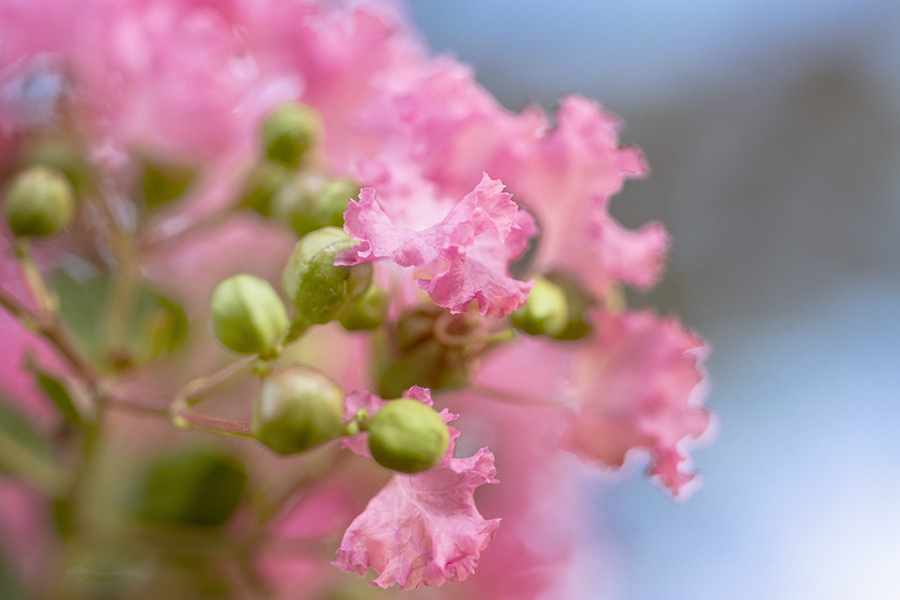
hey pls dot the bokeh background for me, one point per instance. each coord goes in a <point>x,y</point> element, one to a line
<point>772,129</point>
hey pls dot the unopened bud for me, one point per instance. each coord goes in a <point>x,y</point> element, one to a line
<point>40,202</point>
<point>298,408</point>
<point>307,204</point>
<point>248,316</point>
<point>407,436</point>
<point>288,133</point>
<point>545,312</point>
<point>319,290</point>
<point>578,303</point>
<point>368,313</point>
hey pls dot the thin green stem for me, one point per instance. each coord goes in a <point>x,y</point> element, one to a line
<point>123,296</point>
<point>201,387</point>
<point>185,418</point>
<point>46,301</point>
<point>48,327</point>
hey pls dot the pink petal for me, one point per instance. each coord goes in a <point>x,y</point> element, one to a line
<point>472,239</point>
<point>423,528</point>
<point>640,382</point>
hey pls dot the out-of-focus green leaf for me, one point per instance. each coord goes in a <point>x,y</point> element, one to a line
<point>157,324</point>
<point>58,392</point>
<point>194,486</point>
<point>162,182</point>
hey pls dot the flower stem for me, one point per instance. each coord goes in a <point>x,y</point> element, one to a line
<point>185,418</point>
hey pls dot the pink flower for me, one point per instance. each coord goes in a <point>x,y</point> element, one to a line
<point>470,239</point>
<point>421,528</point>
<point>567,178</point>
<point>640,382</point>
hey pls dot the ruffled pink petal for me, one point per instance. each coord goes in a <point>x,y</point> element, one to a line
<point>567,176</point>
<point>471,239</point>
<point>633,257</point>
<point>423,528</point>
<point>640,382</point>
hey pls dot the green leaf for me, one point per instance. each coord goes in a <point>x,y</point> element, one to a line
<point>157,324</point>
<point>195,486</point>
<point>162,182</point>
<point>58,392</point>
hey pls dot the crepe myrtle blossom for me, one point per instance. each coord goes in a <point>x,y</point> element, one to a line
<point>423,528</point>
<point>279,216</point>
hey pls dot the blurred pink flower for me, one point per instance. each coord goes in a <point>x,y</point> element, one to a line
<point>640,382</point>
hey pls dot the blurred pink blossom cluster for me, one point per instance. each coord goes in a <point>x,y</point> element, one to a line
<point>489,237</point>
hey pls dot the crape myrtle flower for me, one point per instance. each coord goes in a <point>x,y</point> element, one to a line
<point>455,205</point>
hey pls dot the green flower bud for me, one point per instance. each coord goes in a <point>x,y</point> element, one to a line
<point>261,185</point>
<point>578,302</point>
<point>40,202</point>
<point>298,408</point>
<point>248,316</point>
<point>318,289</point>
<point>307,204</point>
<point>545,312</point>
<point>288,133</point>
<point>407,436</point>
<point>368,313</point>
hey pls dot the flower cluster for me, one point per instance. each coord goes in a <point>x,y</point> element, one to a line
<point>388,248</point>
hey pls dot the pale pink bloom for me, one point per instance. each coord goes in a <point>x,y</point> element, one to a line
<point>640,382</point>
<point>472,269</point>
<point>422,528</point>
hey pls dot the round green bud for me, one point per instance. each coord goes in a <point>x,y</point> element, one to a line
<point>40,202</point>
<point>319,290</point>
<point>578,303</point>
<point>368,313</point>
<point>308,203</point>
<point>544,312</point>
<point>248,316</point>
<point>297,409</point>
<point>407,436</point>
<point>288,133</point>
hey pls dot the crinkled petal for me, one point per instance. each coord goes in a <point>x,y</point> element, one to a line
<point>633,257</point>
<point>423,528</point>
<point>471,239</point>
<point>641,382</point>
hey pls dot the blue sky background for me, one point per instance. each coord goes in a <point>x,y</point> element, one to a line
<point>773,132</point>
